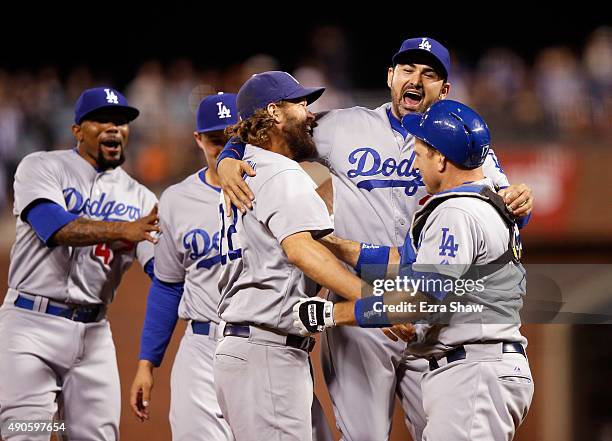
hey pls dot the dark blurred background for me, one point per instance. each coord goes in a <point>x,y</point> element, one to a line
<point>543,82</point>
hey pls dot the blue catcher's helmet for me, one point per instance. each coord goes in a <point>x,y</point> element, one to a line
<point>454,129</point>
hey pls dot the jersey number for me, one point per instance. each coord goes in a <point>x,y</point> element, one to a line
<point>232,253</point>
<point>106,254</point>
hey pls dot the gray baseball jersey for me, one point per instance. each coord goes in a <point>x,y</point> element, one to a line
<point>458,233</point>
<point>82,275</point>
<point>188,249</point>
<point>258,283</point>
<point>376,188</point>
<point>376,193</point>
<point>56,354</point>
<point>489,387</point>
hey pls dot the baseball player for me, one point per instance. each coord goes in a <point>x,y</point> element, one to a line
<point>270,260</point>
<point>187,268</point>
<point>81,222</point>
<point>478,370</point>
<point>187,272</point>
<point>377,189</point>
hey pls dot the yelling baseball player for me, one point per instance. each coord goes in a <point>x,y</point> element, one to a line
<point>377,189</point>
<point>478,385</point>
<point>187,268</point>
<point>81,222</point>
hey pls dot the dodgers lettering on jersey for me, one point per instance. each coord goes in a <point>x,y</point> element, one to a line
<point>258,284</point>
<point>188,248</point>
<point>84,275</point>
<point>198,244</point>
<point>376,187</point>
<point>369,163</point>
<point>101,208</point>
<point>458,233</point>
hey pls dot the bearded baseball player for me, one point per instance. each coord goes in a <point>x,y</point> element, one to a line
<point>81,222</point>
<point>270,260</point>
<point>187,268</point>
<point>377,189</point>
<point>478,385</point>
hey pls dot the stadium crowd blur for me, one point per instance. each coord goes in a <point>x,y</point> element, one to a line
<point>560,95</point>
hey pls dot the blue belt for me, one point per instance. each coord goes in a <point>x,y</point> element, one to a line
<point>77,313</point>
<point>459,353</point>
<point>295,341</point>
<point>200,328</point>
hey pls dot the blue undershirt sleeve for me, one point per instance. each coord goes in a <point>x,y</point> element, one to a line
<point>46,218</point>
<point>160,319</point>
<point>233,149</point>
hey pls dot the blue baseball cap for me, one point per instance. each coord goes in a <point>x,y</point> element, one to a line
<point>424,46</point>
<point>271,87</point>
<point>216,112</point>
<point>102,98</point>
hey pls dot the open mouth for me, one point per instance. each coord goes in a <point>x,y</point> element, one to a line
<point>111,145</point>
<point>412,98</point>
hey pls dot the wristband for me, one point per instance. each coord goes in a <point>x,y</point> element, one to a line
<point>370,313</point>
<point>375,258</point>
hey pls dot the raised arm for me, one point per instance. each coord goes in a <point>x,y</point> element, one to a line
<point>231,170</point>
<point>518,197</point>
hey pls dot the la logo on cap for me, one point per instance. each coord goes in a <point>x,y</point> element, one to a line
<point>224,111</point>
<point>425,44</point>
<point>111,96</point>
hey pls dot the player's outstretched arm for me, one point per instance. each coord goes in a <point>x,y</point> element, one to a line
<point>518,197</point>
<point>357,254</point>
<point>395,326</point>
<point>314,314</point>
<point>344,249</point>
<point>318,263</point>
<point>359,312</point>
<point>140,392</point>
<point>84,232</point>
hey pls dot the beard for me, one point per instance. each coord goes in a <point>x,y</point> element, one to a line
<point>299,139</point>
<point>397,107</point>
<point>105,164</point>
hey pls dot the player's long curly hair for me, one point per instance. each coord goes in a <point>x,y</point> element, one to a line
<point>254,130</point>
